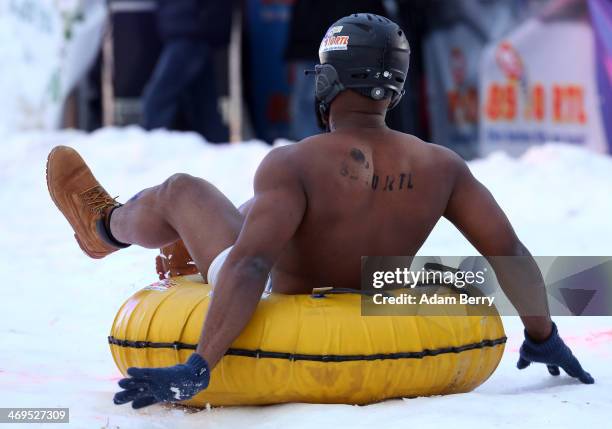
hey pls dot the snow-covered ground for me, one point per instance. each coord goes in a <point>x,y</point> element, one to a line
<point>56,306</point>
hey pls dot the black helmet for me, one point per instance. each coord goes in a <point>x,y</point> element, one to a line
<point>364,52</point>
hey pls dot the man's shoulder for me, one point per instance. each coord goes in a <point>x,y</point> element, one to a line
<point>287,153</point>
<point>301,151</point>
<point>437,154</point>
<point>326,145</point>
<point>285,161</point>
<point>446,155</point>
<point>429,151</point>
<point>315,141</point>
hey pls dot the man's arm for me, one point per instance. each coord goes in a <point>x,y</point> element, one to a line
<point>275,215</point>
<point>277,211</point>
<point>474,211</point>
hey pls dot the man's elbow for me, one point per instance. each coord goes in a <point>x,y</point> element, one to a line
<point>520,249</point>
<point>250,268</point>
<point>509,246</point>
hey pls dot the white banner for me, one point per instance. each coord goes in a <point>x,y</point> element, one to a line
<point>452,63</point>
<point>538,85</point>
<point>46,46</point>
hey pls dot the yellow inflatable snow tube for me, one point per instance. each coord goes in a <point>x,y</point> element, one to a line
<point>305,349</point>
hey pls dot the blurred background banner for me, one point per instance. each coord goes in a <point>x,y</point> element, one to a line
<point>46,46</point>
<point>485,75</point>
<point>537,85</point>
<point>601,16</point>
<point>460,32</point>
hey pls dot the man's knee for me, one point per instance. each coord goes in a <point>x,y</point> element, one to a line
<point>179,183</point>
<point>185,187</point>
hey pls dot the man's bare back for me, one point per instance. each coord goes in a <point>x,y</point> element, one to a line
<point>369,192</point>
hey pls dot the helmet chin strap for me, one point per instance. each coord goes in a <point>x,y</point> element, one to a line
<point>322,114</point>
<point>395,99</point>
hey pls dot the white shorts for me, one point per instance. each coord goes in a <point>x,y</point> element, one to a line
<point>217,264</point>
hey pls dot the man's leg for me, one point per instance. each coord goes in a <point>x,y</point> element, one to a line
<point>182,207</point>
<point>175,260</point>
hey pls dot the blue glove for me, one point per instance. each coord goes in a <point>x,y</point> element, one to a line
<point>554,353</point>
<point>148,386</point>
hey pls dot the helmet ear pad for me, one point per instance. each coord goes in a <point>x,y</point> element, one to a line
<point>327,88</point>
<point>327,84</point>
<point>326,77</point>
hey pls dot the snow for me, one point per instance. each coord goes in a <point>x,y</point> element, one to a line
<point>57,305</point>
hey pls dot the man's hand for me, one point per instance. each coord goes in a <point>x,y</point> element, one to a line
<point>554,353</point>
<point>148,386</point>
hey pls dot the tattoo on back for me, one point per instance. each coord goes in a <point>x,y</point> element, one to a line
<point>358,156</point>
<point>387,183</point>
<point>344,169</point>
<point>401,182</point>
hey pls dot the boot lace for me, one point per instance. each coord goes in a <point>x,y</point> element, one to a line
<point>97,199</point>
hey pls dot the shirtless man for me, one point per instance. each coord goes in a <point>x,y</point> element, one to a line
<point>319,205</point>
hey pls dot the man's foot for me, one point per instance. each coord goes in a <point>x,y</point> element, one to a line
<point>174,260</point>
<point>82,201</point>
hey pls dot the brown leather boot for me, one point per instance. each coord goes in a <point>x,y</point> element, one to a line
<point>82,201</point>
<point>174,260</point>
